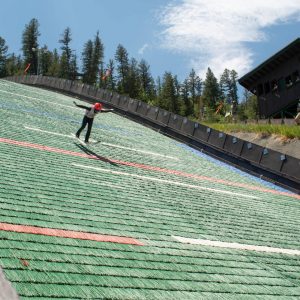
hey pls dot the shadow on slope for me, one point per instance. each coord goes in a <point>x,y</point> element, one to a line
<point>92,153</point>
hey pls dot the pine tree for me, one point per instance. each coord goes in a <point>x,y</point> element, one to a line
<point>14,65</point>
<point>158,91</point>
<point>30,45</point>
<point>97,58</point>
<point>65,59</point>
<point>168,98</point>
<point>73,67</point>
<point>211,90</point>
<point>188,108</point>
<point>178,103</point>
<point>225,85</point>
<point>122,61</point>
<point>44,60</point>
<point>158,87</point>
<point>133,83</point>
<point>198,88</point>
<point>152,92</point>
<point>102,77</point>
<point>54,68</point>
<point>228,89</point>
<point>228,86</point>
<point>87,60</point>
<point>3,57</point>
<point>195,90</point>
<point>233,91</point>
<point>147,92</point>
<point>194,83</point>
<point>110,82</point>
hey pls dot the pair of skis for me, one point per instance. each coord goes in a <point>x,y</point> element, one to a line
<point>92,142</point>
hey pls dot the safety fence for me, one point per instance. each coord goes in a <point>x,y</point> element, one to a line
<point>271,165</point>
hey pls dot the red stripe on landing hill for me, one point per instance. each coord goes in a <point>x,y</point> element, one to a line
<point>69,234</point>
<point>211,179</point>
<point>41,147</point>
<point>149,168</point>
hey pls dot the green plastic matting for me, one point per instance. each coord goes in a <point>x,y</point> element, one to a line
<point>139,184</point>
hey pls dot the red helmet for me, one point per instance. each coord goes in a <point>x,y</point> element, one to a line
<point>97,106</point>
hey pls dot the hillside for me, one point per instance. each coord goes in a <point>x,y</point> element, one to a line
<point>136,216</point>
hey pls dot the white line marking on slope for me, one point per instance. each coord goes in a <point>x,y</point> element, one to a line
<point>94,141</point>
<point>235,246</point>
<point>141,151</point>
<point>49,132</point>
<point>71,136</point>
<point>164,181</point>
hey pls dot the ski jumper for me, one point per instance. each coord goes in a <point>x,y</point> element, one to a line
<point>88,118</point>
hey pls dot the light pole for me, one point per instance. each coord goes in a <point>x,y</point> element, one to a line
<point>37,50</point>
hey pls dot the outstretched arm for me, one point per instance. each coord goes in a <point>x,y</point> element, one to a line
<point>81,106</point>
<point>106,110</point>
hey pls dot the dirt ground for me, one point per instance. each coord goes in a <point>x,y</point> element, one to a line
<point>286,146</point>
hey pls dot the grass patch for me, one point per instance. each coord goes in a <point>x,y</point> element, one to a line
<point>287,131</point>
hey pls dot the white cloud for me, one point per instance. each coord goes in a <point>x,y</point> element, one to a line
<point>143,48</point>
<point>213,33</point>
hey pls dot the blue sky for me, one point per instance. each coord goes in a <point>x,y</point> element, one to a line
<point>171,35</point>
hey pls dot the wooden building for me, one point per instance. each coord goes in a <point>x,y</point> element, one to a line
<point>276,82</point>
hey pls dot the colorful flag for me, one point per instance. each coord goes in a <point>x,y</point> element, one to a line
<point>27,68</point>
<point>107,73</point>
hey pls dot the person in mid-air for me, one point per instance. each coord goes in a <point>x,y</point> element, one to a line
<point>89,118</point>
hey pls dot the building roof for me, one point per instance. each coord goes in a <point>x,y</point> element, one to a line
<point>270,64</point>
<point>135,215</point>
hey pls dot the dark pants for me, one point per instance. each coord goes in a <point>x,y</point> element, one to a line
<point>85,121</point>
